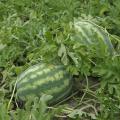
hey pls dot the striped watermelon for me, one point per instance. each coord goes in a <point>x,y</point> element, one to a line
<point>44,79</point>
<point>90,34</point>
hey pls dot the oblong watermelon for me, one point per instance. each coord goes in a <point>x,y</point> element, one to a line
<point>44,79</point>
<point>89,34</point>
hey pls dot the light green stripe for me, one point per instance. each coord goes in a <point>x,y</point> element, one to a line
<point>39,77</point>
<point>56,77</point>
<point>34,74</point>
<point>30,70</point>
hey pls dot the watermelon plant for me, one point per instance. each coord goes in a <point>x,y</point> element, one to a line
<point>48,47</point>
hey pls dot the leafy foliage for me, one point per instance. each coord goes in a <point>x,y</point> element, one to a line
<point>48,30</point>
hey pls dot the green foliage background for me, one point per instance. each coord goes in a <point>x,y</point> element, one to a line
<point>32,31</point>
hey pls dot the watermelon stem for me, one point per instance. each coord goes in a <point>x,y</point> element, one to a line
<point>13,92</point>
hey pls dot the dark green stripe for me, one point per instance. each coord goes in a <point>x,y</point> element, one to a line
<point>57,97</point>
<point>106,41</point>
<point>39,77</point>
<point>40,69</point>
<point>39,89</point>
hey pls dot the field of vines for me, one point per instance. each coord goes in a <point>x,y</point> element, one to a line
<point>81,35</point>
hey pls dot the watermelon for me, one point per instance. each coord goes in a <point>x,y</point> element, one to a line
<point>46,79</point>
<point>89,33</point>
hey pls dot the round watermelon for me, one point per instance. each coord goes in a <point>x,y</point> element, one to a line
<point>46,79</point>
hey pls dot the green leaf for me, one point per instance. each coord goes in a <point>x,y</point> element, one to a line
<point>72,56</point>
<point>62,50</point>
